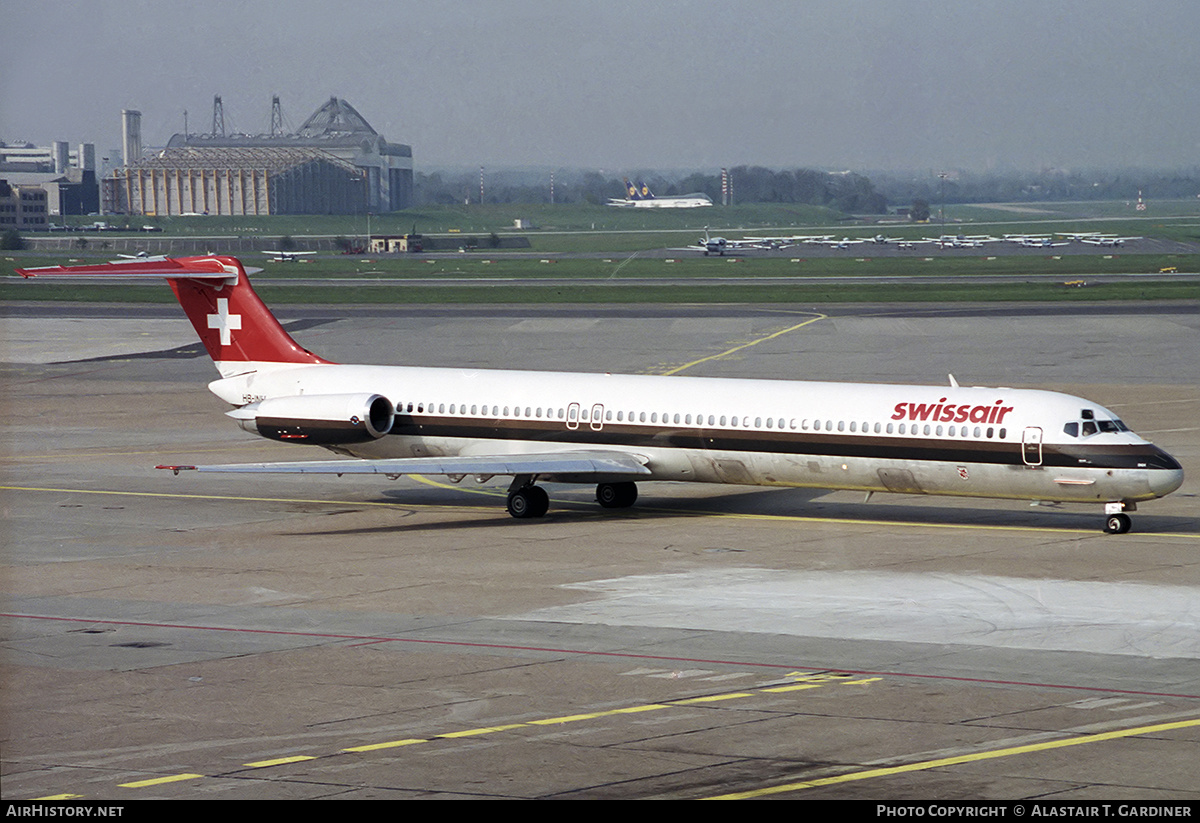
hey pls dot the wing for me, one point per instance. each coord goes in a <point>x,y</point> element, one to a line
<point>585,465</point>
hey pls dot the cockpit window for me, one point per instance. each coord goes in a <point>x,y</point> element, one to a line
<point>1090,426</point>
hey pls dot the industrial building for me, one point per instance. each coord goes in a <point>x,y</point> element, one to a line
<point>66,177</point>
<point>22,208</point>
<point>334,164</point>
<point>238,181</point>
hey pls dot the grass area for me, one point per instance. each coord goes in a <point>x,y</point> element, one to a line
<point>781,294</point>
<point>622,233</point>
<point>1046,278</point>
<point>485,218</point>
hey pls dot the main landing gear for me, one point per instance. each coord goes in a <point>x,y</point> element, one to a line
<point>616,495</point>
<point>525,500</point>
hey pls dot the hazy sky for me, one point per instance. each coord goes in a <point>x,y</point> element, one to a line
<point>621,85</point>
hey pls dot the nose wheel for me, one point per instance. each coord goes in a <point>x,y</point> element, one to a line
<point>1117,524</point>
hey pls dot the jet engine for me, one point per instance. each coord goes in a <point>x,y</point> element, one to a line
<point>319,419</point>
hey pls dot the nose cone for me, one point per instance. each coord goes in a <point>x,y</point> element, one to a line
<point>1165,481</point>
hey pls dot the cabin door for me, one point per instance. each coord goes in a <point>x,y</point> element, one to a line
<point>1031,446</point>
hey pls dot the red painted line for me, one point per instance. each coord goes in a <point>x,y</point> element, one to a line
<point>368,639</point>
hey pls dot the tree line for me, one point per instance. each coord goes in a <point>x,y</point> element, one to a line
<point>845,191</point>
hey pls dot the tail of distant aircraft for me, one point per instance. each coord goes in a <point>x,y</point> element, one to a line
<point>644,192</point>
<point>631,190</point>
<point>237,329</point>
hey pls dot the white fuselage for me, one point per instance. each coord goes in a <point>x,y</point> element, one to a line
<point>985,442</point>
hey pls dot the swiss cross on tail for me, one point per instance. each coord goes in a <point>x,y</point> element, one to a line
<point>238,331</point>
<point>224,322</point>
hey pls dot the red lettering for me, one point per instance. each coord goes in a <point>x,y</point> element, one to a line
<point>943,412</point>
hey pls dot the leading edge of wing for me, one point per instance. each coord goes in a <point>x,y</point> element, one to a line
<point>578,464</point>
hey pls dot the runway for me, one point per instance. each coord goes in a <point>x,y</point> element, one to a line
<point>295,637</point>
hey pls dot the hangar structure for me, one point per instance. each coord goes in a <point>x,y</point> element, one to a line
<point>239,181</point>
<point>334,164</point>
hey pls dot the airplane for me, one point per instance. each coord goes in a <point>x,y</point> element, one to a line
<point>959,241</point>
<point>640,196</point>
<point>614,430</point>
<point>719,245</point>
<point>1035,241</point>
<point>1107,240</point>
<point>281,256</point>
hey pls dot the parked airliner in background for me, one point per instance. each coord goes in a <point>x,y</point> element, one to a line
<point>614,430</point>
<point>640,196</point>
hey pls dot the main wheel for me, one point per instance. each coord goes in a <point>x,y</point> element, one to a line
<point>616,495</point>
<point>530,501</point>
<point>1117,524</point>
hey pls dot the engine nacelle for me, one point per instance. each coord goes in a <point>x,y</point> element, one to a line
<point>319,419</point>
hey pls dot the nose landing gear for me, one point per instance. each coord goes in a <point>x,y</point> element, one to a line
<point>1115,519</point>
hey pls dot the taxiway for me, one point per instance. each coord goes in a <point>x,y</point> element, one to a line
<point>203,637</point>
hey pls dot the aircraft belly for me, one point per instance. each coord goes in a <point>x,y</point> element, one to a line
<point>811,471</point>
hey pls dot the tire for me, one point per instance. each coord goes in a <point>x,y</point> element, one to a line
<point>1117,524</point>
<point>529,502</point>
<point>616,495</point>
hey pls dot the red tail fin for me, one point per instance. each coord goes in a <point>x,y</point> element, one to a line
<point>233,323</point>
